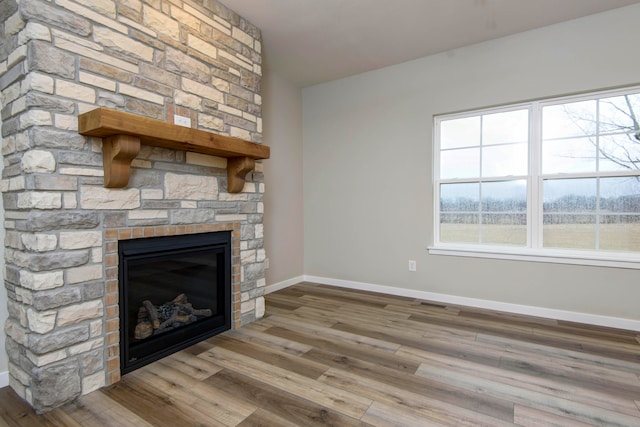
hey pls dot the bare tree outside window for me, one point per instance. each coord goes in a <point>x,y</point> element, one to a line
<point>587,182</point>
<point>610,126</point>
<point>598,137</point>
<point>624,152</point>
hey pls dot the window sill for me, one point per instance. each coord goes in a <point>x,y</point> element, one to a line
<point>623,260</point>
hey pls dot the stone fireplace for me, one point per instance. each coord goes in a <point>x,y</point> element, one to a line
<point>192,60</point>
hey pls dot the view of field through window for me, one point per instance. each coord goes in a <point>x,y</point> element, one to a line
<point>585,186</point>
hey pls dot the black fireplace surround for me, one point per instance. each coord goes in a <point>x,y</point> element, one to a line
<point>154,273</point>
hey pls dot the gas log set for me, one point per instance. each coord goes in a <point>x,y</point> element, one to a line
<point>154,320</point>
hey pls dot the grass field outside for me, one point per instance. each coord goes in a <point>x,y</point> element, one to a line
<point>613,237</point>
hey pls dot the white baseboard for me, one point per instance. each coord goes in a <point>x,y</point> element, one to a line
<point>4,379</point>
<point>549,313</point>
<point>284,284</point>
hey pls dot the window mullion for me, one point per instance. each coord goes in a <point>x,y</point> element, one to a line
<point>436,182</point>
<point>534,197</point>
<point>597,216</point>
<point>480,182</point>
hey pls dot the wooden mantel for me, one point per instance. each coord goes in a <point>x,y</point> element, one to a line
<point>122,133</point>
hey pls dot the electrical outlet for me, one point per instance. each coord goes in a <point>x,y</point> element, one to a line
<point>412,265</point>
<point>182,121</point>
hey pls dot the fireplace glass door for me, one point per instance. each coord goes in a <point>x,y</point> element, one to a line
<point>174,292</point>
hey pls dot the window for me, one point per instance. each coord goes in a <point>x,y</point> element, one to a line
<point>553,178</point>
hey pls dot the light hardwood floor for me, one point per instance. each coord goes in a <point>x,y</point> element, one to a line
<point>330,356</point>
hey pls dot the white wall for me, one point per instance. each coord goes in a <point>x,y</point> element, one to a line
<point>283,218</point>
<point>368,153</point>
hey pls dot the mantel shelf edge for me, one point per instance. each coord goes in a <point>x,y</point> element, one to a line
<point>122,134</point>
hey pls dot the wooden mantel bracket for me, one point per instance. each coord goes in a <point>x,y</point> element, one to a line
<point>237,169</point>
<point>123,133</point>
<point>118,151</point>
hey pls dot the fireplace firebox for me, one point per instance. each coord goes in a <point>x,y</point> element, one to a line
<point>174,292</point>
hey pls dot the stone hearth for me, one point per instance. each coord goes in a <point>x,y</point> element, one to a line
<point>154,58</point>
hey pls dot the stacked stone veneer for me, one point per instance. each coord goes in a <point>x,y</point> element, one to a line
<point>155,58</point>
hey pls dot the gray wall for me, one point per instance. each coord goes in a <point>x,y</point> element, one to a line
<point>368,153</point>
<point>283,219</point>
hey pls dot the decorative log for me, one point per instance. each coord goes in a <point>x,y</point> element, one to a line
<point>143,327</point>
<point>206,312</point>
<point>143,330</point>
<point>188,308</point>
<point>153,313</point>
<point>181,299</point>
<point>142,314</point>
<point>185,318</point>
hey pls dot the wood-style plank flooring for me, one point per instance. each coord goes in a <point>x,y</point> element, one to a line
<point>330,356</point>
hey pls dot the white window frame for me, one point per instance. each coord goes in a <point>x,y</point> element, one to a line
<point>533,250</point>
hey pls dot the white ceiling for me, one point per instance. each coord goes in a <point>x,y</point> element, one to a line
<point>313,41</point>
